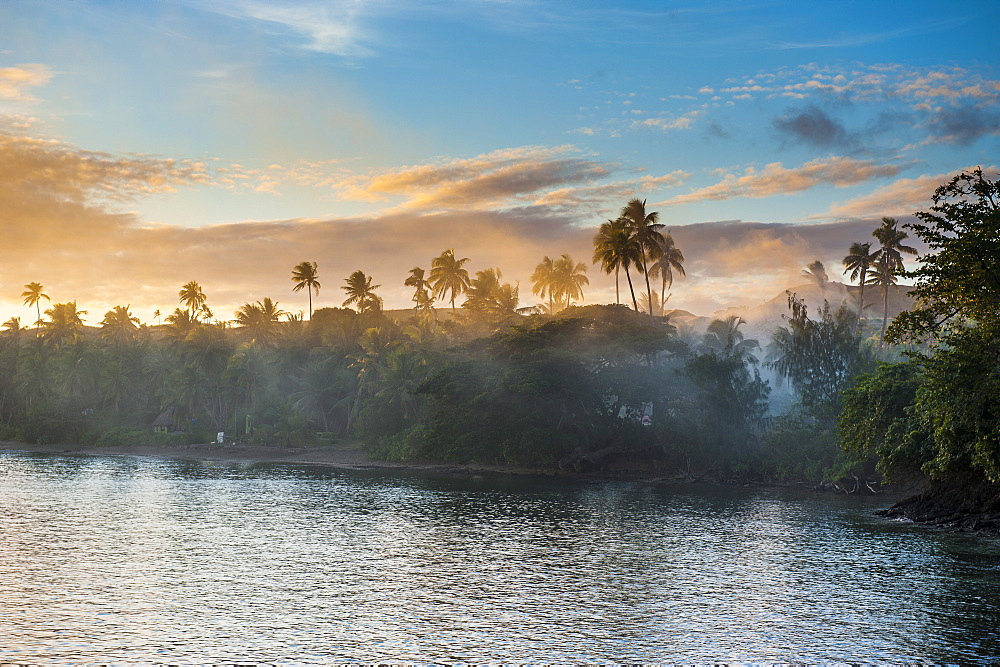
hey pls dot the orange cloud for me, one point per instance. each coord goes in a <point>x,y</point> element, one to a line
<point>62,227</point>
<point>15,81</point>
<point>774,179</point>
<point>902,197</point>
<point>499,179</point>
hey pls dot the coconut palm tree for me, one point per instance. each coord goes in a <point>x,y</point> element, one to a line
<point>449,275</point>
<point>193,297</point>
<point>376,343</point>
<point>404,370</point>
<point>883,274</point>
<point>644,228</point>
<point>671,260</point>
<point>64,322</point>
<point>658,302</point>
<point>304,275</point>
<point>891,258</point>
<point>542,280</point>
<point>858,261</point>
<point>614,250</point>
<point>724,337</point>
<point>156,314</point>
<point>361,292</point>
<point>495,301</point>
<point>13,327</point>
<point>421,293</point>
<point>815,272</point>
<point>32,295</point>
<point>179,324</point>
<point>119,326</point>
<point>259,320</point>
<point>568,279</point>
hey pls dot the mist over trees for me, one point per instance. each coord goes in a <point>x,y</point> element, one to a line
<point>554,384</point>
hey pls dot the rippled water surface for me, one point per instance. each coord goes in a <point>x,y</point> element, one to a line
<point>143,559</point>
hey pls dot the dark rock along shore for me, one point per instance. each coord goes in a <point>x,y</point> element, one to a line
<point>961,505</point>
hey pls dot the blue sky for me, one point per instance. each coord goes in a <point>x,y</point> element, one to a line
<point>148,144</point>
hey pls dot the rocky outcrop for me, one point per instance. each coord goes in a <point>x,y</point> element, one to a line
<point>960,505</point>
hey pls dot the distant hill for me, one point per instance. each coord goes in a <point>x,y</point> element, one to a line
<point>764,318</point>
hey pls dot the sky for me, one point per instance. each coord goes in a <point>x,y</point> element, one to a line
<point>147,144</point>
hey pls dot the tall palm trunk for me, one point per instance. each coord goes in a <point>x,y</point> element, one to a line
<point>618,298</point>
<point>649,291</point>
<point>861,305</point>
<point>885,312</point>
<point>635,304</point>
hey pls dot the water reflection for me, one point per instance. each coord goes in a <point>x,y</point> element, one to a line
<point>126,559</point>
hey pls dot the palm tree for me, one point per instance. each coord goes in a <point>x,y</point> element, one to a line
<point>119,326</point>
<point>724,337</point>
<point>13,327</point>
<point>259,320</point>
<point>156,314</point>
<point>883,274</point>
<point>192,297</point>
<point>403,371</point>
<point>815,272</point>
<point>449,275</point>
<point>859,261</point>
<point>671,259</point>
<point>644,229</point>
<point>421,294</point>
<point>32,294</point>
<point>376,343</point>
<point>304,275</point>
<point>179,324</point>
<point>891,240</point>
<point>361,292</point>
<point>658,302</point>
<point>64,322</point>
<point>542,280</point>
<point>568,279</point>
<point>614,250</point>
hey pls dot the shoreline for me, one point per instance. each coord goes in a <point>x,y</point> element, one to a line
<point>346,456</point>
<point>351,456</point>
<point>902,502</point>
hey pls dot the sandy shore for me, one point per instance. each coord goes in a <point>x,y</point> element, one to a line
<point>350,455</point>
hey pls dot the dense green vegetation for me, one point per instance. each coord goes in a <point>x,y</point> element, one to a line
<point>939,412</point>
<point>555,385</point>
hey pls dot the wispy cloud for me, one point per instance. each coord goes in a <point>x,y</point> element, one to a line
<point>331,26</point>
<point>854,39</point>
<point>775,179</point>
<point>683,122</point>
<point>16,82</point>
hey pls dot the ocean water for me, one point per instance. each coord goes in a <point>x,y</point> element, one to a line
<point>140,559</point>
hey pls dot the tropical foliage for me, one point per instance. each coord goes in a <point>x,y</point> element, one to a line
<point>941,407</point>
<point>562,385</point>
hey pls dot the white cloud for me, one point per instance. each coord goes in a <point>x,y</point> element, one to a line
<point>331,27</point>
